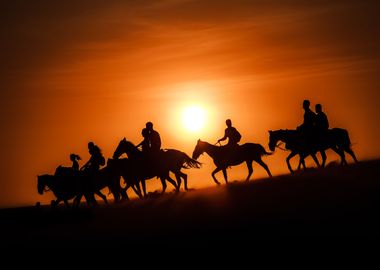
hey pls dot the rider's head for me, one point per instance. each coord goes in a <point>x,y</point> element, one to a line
<point>91,145</point>
<point>306,104</point>
<point>228,123</point>
<point>149,125</point>
<point>145,132</point>
<point>318,108</point>
<point>74,157</point>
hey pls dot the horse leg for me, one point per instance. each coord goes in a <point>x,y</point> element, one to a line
<point>213,175</point>
<point>66,203</point>
<point>324,158</point>
<point>163,184</point>
<point>264,165</point>
<point>135,188</point>
<point>184,176</point>
<point>300,163</point>
<point>171,181</point>
<point>250,170</point>
<point>225,175</point>
<point>54,203</point>
<point>144,187</point>
<point>90,198</point>
<point>135,184</point>
<point>292,154</point>
<point>178,177</point>
<point>352,154</point>
<point>76,201</point>
<point>101,195</point>
<point>302,160</point>
<point>316,160</point>
<point>341,154</point>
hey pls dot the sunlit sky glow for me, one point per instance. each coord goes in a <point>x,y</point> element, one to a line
<point>194,118</point>
<point>75,71</point>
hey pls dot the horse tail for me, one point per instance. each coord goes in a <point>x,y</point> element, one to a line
<point>347,141</point>
<point>264,152</point>
<point>344,137</point>
<point>191,163</point>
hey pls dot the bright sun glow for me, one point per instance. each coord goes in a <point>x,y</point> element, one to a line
<point>194,118</point>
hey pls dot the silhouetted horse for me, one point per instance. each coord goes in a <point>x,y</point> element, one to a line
<point>144,168</point>
<point>48,182</point>
<point>223,157</point>
<point>68,184</point>
<point>124,167</point>
<point>336,139</point>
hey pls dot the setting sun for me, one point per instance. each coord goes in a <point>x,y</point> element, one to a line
<point>193,118</point>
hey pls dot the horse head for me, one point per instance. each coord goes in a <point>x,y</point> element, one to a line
<point>274,138</point>
<point>279,136</point>
<point>125,147</point>
<point>199,149</point>
<point>43,182</point>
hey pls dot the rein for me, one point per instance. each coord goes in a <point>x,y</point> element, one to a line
<point>280,147</point>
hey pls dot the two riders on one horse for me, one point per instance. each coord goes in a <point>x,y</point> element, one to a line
<point>311,137</point>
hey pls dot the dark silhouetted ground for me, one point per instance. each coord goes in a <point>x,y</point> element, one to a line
<point>334,201</point>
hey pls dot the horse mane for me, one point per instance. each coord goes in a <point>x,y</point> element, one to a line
<point>130,143</point>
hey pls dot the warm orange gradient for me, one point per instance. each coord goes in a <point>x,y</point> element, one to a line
<point>94,70</point>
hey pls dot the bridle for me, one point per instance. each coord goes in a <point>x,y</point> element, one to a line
<point>279,146</point>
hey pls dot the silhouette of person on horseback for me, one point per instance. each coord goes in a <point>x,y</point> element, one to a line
<point>232,134</point>
<point>321,120</point>
<point>309,119</point>
<point>151,146</point>
<point>75,158</point>
<point>96,160</point>
<point>145,143</point>
<point>154,139</point>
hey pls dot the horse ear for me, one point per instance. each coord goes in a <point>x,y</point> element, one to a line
<point>124,139</point>
<point>199,140</point>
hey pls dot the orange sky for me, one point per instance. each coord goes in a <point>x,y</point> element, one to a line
<point>98,70</point>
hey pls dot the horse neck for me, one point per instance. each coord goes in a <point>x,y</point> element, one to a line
<point>211,150</point>
<point>132,152</point>
<point>286,136</point>
<point>50,182</point>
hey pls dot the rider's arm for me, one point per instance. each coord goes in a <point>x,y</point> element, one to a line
<point>86,165</point>
<point>224,138</point>
<point>137,146</point>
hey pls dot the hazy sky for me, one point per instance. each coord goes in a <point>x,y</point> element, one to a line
<point>75,71</point>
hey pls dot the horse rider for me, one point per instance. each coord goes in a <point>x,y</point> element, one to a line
<point>145,143</point>
<point>321,120</point>
<point>309,119</point>
<point>154,139</point>
<point>96,160</point>
<point>232,134</point>
<point>75,158</point>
